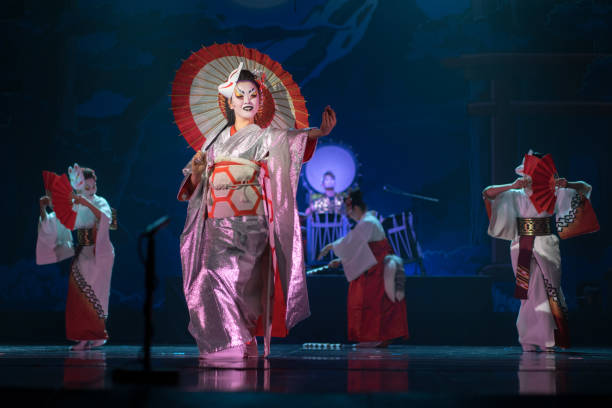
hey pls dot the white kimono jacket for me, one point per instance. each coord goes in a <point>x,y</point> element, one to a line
<point>357,257</point>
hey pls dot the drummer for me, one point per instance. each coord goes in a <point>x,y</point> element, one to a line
<point>330,202</point>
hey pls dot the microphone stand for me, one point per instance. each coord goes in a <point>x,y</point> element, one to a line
<point>147,375</point>
<point>395,190</point>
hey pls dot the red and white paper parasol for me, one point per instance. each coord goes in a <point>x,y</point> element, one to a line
<point>199,109</point>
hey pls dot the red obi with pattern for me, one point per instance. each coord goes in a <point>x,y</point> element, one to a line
<point>234,189</point>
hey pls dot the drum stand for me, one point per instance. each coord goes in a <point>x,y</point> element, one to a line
<point>400,232</point>
<point>322,229</point>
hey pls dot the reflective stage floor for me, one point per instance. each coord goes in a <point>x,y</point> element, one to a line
<point>299,376</point>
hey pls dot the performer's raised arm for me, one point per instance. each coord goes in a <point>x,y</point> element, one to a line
<point>492,192</point>
<point>53,241</point>
<point>44,201</point>
<point>580,186</point>
<point>81,200</point>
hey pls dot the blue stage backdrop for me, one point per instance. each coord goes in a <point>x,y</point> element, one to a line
<point>89,82</point>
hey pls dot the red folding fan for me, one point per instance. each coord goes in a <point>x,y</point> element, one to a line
<point>542,172</point>
<point>61,197</point>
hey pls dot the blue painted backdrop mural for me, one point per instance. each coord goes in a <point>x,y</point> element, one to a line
<point>90,82</point>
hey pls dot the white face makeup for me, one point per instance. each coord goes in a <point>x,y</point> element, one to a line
<point>90,188</point>
<point>329,182</point>
<point>245,100</point>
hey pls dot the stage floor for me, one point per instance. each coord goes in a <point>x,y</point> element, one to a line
<point>420,370</point>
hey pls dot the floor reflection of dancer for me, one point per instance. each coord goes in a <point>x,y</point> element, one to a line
<point>85,369</point>
<point>376,306</point>
<point>92,266</point>
<point>369,372</point>
<point>536,260</point>
<point>329,202</point>
<point>237,375</point>
<point>537,374</point>
<point>225,252</point>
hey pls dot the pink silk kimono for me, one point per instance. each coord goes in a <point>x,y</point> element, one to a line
<point>245,275</point>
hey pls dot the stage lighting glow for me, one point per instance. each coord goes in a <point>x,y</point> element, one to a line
<point>335,158</point>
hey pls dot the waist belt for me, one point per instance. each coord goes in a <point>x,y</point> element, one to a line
<point>535,226</point>
<point>86,236</point>
<point>235,189</point>
<point>528,229</point>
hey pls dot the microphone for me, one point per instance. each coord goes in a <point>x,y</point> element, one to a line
<point>155,226</point>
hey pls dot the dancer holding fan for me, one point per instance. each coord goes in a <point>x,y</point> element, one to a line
<point>241,250</point>
<point>528,212</point>
<point>91,268</point>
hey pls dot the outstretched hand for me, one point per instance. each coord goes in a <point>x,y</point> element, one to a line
<point>328,122</point>
<point>79,199</point>
<point>561,182</point>
<point>325,251</point>
<point>335,263</point>
<point>44,201</point>
<point>198,162</point>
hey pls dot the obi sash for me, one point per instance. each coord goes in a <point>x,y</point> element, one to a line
<point>528,229</point>
<point>234,189</point>
<point>86,236</point>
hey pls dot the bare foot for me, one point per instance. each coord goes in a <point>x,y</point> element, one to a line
<point>97,343</point>
<point>232,353</point>
<point>81,345</point>
<point>251,349</point>
<point>383,344</point>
